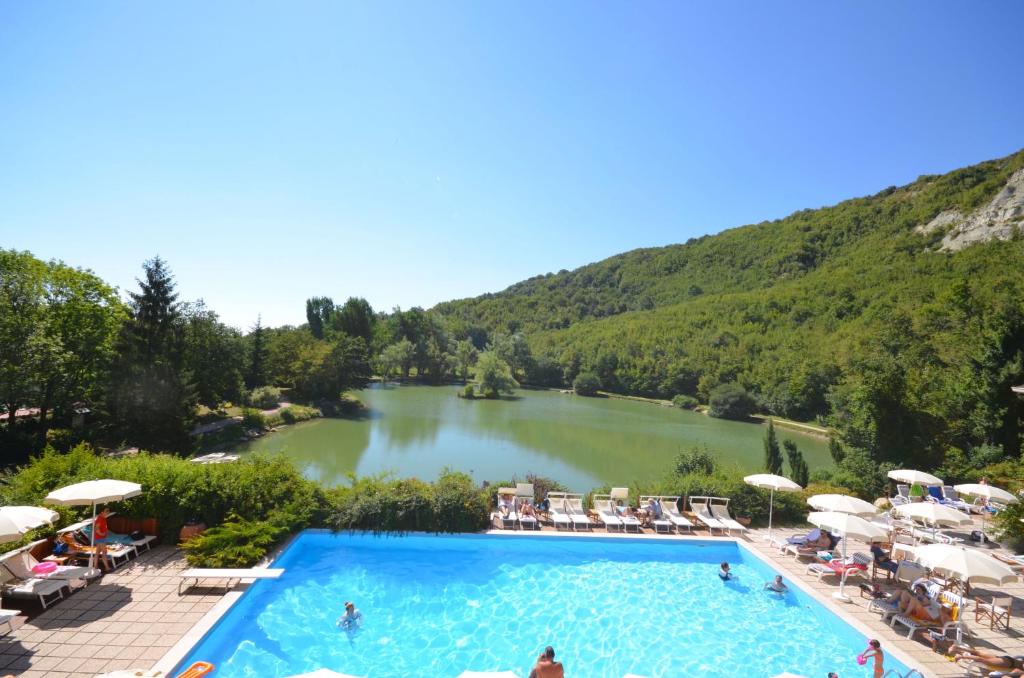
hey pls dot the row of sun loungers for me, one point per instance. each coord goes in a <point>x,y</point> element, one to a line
<point>20,581</point>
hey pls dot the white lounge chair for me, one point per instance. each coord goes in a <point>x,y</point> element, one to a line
<point>225,574</point>
<point>577,514</point>
<point>670,508</point>
<point>508,520</point>
<point>558,511</point>
<point>619,496</point>
<point>47,591</point>
<point>7,617</point>
<point>606,513</point>
<point>952,600</point>
<point>699,506</point>
<point>524,496</point>
<point>720,510</point>
<point>662,524</point>
<point>954,499</point>
<point>22,564</point>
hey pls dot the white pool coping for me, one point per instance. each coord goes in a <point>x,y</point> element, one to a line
<point>182,648</point>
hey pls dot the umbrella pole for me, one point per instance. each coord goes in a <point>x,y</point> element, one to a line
<point>771,505</point>
<point>839,595</point>
<point>93,560</point>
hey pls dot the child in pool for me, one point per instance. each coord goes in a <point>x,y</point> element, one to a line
<point>778,586</point>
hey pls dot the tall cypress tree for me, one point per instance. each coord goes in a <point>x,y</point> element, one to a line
<point>799,473</point>
<point>772,454</point>
<point>151,401</point>
<point>256,375</point>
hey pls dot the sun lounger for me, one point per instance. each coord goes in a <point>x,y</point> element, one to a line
<point>699,506</point>
<point>662,524</point>
<point>577,514</point>
<point>227,575</point>
<point>119,553</point>
<point>524,497</point>
<point>7,618</point>
<point>21,564</point>
<point>951,600</point>
<point>670,508</point>
<point>620,501</point>
<point>606,513</point>
<point>720,510</point>
<point>508,521</point>
<point>558,511</point>
<point>853,566</point>
<point>47,591</point>
<point>956,501</point>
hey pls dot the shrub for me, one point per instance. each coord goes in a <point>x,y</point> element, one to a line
<point>264,397</point>
<point>297,413</point>
<point>586,384</point>
<point>253,418</point>
<point>62,439</point>
<point>468,392</point>
<point>235,543</point>
<point>730,401</point>
<point>695,460</point>
<point>685,402</point>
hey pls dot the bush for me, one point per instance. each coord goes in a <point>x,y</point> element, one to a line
<point>685,402</point>
<point>62,439</point>
<point>695,460</point>
<point>586,384</point>
<point>296,413</point>
<point>253,418</point>
<point>468,392</point>
<point>730,401</point>
<point>264,397</point>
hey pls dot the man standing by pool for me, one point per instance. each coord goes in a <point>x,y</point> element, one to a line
<point>546,666</point>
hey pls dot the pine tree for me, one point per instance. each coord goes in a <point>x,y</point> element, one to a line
<point>799,473</point>
<point>836,450</point>
<point>256,375</point>
<point>151,400</point>
<point>772,454</point>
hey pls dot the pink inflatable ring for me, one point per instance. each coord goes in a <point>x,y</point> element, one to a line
<point>45,567</point>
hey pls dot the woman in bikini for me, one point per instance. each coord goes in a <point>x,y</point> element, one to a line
<point>874,651</point>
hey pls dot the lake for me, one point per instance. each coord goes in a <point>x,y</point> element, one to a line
<point>416,431</point>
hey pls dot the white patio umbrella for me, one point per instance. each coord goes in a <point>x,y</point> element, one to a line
<point>842,503</point>
<point>933,515</point>
<point>93,492</point>
<point>775,484</point>
<point>987,492</point>
<point>975,567</point>
<point>848,525</point>
<point>15,521</point>
<point>912,477</point>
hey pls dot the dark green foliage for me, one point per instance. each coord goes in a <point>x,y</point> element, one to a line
<point>213,354</point>
<point>151,400</point>
<point>253,418</point>
<point>544,371</point>
<point>234,543</point>
<point>772,454</point>
<point>859,472</point>
<point>494,375</point>
<point>325,371</point>
<point>835,450</point>
<point>296,413</point>
<point>798,471</point>
<point>697,460</point>
<point>355,318</point>
<point>256,374</point>
<point>264,397</point>
<point>685,402</point>
<point>468,392</point>
<point>586,384</point>
<point>319,311</point>
<point>730,401</point>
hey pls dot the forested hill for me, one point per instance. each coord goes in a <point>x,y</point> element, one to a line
<point>835,312</point>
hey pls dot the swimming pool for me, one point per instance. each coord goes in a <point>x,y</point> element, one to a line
<point>439,605</point>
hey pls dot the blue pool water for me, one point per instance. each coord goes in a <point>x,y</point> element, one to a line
<point>436,606</point>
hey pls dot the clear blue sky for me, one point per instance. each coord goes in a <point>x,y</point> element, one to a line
<point>421,151</point>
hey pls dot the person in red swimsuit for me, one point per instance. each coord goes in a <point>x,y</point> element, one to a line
<point>100,533</point>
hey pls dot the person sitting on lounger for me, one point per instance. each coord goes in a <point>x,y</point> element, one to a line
<point>505,505</point>
<point>352,619</point>
<point>654,509</point>
<point>526,510</point>
<point>624,510</point>
<point>777,585</point>
<point>723,573</point>
<point>919,606</point>
<point>882,559</point>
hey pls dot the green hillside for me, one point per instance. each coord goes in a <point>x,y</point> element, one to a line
<point>847,314</point>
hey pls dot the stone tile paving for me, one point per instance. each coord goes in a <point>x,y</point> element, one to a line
<point>128,619</point>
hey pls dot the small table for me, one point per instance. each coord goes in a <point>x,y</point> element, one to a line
<point>60,560</point>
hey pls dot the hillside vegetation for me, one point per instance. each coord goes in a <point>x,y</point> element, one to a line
<point>846,314</point>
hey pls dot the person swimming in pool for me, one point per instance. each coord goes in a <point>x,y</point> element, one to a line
<point>352,619</point>
<point>724,574</point>
<point>778,586</point>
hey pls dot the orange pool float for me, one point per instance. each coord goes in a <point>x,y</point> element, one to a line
<point>196,670</point>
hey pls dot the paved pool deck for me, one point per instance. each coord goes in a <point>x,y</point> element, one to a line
<point>134,618</point>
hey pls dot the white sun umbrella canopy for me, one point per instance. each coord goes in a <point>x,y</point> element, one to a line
<point>775,484</point>
<point>987,492</point>
<point>94,492</point>
<point>848,525</point>
<point>16,521</point>
<point>933,514</point>
<point>842,503</point>
<point>912,477</point>
<point>973,566</point>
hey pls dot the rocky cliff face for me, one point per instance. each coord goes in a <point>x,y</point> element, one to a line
<point>1001,219</point>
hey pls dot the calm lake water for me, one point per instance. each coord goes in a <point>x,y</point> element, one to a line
<point>582,442</point>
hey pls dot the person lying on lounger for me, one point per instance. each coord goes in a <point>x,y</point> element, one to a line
<point>526,510</point>
<point>992,659</point>
<point>505,505</point>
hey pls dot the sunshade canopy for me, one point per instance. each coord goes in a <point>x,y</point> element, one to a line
<point>986,491</point>
<point>15,521</point>
<point>933,514</point>
<point>914,477</point>
<point>847,524</point>
<point>93,492</point>
<point>976,567</point>
<point>772,482</point>
<point>842,503</point>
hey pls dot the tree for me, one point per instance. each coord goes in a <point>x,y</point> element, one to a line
<point>513,349</point>
<point>214,354</point>
<point>465,357</point>
<point>319,311</point>
<point>697,460</point>
<point>355,318</point>
<point>23,349</point>
<point>772,453</point>
<point>324,371</point>
<point>493,375</point>
<point>586,384</point>
<point>799,473</point>
<point>151,400</point>
<point>730,401</point>
<point>256,374</point>
<point>835,449</point>
<point>404,353</point>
